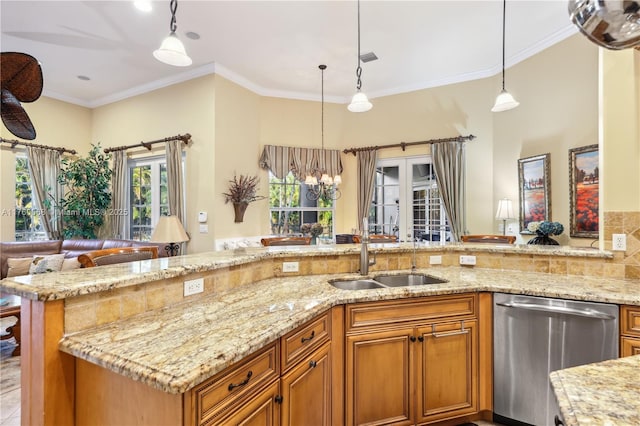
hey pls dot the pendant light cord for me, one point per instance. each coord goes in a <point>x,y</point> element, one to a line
<point>359,68</point>
<point>173,5</point>
<point>504,13</point>
<point>322,68</point>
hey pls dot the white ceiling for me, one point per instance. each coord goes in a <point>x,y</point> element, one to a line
<point>274,47</point>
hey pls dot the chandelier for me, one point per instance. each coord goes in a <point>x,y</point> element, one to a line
<point>327,187</point>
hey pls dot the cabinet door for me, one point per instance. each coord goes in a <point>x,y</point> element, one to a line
<point>306,391</point>
<point>378,378</point>
<point>630,346</point>
<point>447,371</point>
<point>256,410</point>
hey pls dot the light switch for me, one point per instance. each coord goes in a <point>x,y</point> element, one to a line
<point>204,229</point>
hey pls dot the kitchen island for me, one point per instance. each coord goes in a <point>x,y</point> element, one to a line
<point>172,343</point>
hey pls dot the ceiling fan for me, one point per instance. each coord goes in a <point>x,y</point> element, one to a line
<point>20,81</point>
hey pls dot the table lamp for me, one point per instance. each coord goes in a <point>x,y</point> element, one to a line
<point>169,230</point>
<point>504,213</point>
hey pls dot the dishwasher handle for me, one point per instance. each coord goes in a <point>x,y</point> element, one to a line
<point>589,313</point>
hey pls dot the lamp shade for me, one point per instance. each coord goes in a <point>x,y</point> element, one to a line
<point>504,102</point>
<point>359,103</point>
<point>505,210</point>
<point>172,52</point>
<point>169,230</point>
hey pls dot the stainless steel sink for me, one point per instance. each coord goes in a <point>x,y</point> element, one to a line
<point>364,284</point>
<point>404,280</point>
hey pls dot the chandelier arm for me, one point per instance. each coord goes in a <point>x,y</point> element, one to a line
<point>359,68</point>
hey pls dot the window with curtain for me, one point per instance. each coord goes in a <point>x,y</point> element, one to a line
<point>406,201</point>
<point>27,217</point>
<point>289,207</point>
<point>147,196</point>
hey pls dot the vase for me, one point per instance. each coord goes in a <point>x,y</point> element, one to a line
<point>314,240</point>
<point>239,209</point>
<point>543,240</point>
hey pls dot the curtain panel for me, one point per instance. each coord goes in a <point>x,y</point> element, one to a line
<point>366,161</point>
<point>281,160</point>
<point>449,166</point>
<point>175,187</point>
<point>44,167</point>
<point>118,219</point>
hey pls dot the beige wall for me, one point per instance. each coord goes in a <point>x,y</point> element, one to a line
<point>620,86</point>
<point>187,107</point>
<point>558,91</point>
<point>57,124</point>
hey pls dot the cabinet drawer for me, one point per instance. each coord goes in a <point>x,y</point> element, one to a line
<point>303,340</point>
<point>630,320</point>
<point>235,382</point>
<point>396,312</point>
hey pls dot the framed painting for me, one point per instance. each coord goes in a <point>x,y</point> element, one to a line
<point>584,187</point>
<point>535,190</point>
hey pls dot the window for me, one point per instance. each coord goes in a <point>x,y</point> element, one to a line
<point>148,198</point>
<point>290,207</point>
<point>27,217</point>
<point>406,201</point>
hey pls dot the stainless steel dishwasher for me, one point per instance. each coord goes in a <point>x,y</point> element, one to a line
<point>534,336</point>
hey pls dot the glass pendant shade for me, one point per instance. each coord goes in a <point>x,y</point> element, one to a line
<point>337,179</point>
<point>504,102</point>
<point>326,179</point>
<point>172,52</point>
<point>359,103</point>
<point>311,180</point>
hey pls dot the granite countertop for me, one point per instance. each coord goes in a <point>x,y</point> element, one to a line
<point>178,347</point>
<point>61,285</point>
<point>604,393</point>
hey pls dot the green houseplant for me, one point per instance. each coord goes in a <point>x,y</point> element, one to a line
<point>242,191</point>
<point>87,194</point>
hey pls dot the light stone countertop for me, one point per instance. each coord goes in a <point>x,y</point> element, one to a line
<point>604,394</point>
<point>178,347</point>
<point>61,285</point>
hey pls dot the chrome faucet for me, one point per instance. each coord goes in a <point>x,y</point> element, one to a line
<point>364,250</point>
<point>413,257</point>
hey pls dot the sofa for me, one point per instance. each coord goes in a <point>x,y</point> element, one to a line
<point>70,248</point>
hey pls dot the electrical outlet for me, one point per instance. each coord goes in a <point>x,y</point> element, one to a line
<point>467,260</point>
<point>619,242</point>
<point>435,260</point>
<point>193,286</point>
<point>290,267</point>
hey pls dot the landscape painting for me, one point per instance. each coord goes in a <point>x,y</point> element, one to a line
<point>535,191</point>
<point>584,180</point>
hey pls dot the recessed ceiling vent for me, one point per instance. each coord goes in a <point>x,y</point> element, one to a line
<point>368,57</point>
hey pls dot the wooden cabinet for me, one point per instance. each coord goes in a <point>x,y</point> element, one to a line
<point>629,330</point>
<point>412,361</point>
<point>262,409</point>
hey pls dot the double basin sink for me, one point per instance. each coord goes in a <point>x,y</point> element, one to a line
<point>386,281</point>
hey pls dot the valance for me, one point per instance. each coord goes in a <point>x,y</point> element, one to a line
<point>281,160</point>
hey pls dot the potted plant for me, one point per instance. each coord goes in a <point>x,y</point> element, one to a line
<point>87,194</point>
<point>242,191</point>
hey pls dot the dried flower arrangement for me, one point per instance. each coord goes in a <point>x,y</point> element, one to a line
<point>243,190</point>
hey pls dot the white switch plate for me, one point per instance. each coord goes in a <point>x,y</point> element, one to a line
<point>290,266</point>
<point>467,260</point>
<point>204,229</point>
<point>619,242</point>
<point>193,286</point>
<point>435,260</point>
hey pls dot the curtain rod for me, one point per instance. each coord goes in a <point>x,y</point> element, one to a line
<point>403,145</point>
<point>15,142</point>
<point>186,138</point>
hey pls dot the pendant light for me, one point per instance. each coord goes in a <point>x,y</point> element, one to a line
<point>359,102</point>
<point>327,187</point>
<point>504,101</point>
<point>172,50</point>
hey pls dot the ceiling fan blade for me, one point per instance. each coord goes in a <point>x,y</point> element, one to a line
<point>21,75</point>
<point>15,118</point>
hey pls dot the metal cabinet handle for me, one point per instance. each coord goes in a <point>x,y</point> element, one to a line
<point>412,338</point>
<point>313,364</point>
<point>420,338</point>
<point>278,399</point>
<point>306,339</point>
<point>232,386</point>
<point>449,333</point>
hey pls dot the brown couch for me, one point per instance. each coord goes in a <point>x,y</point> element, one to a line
<point>70,248</point>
